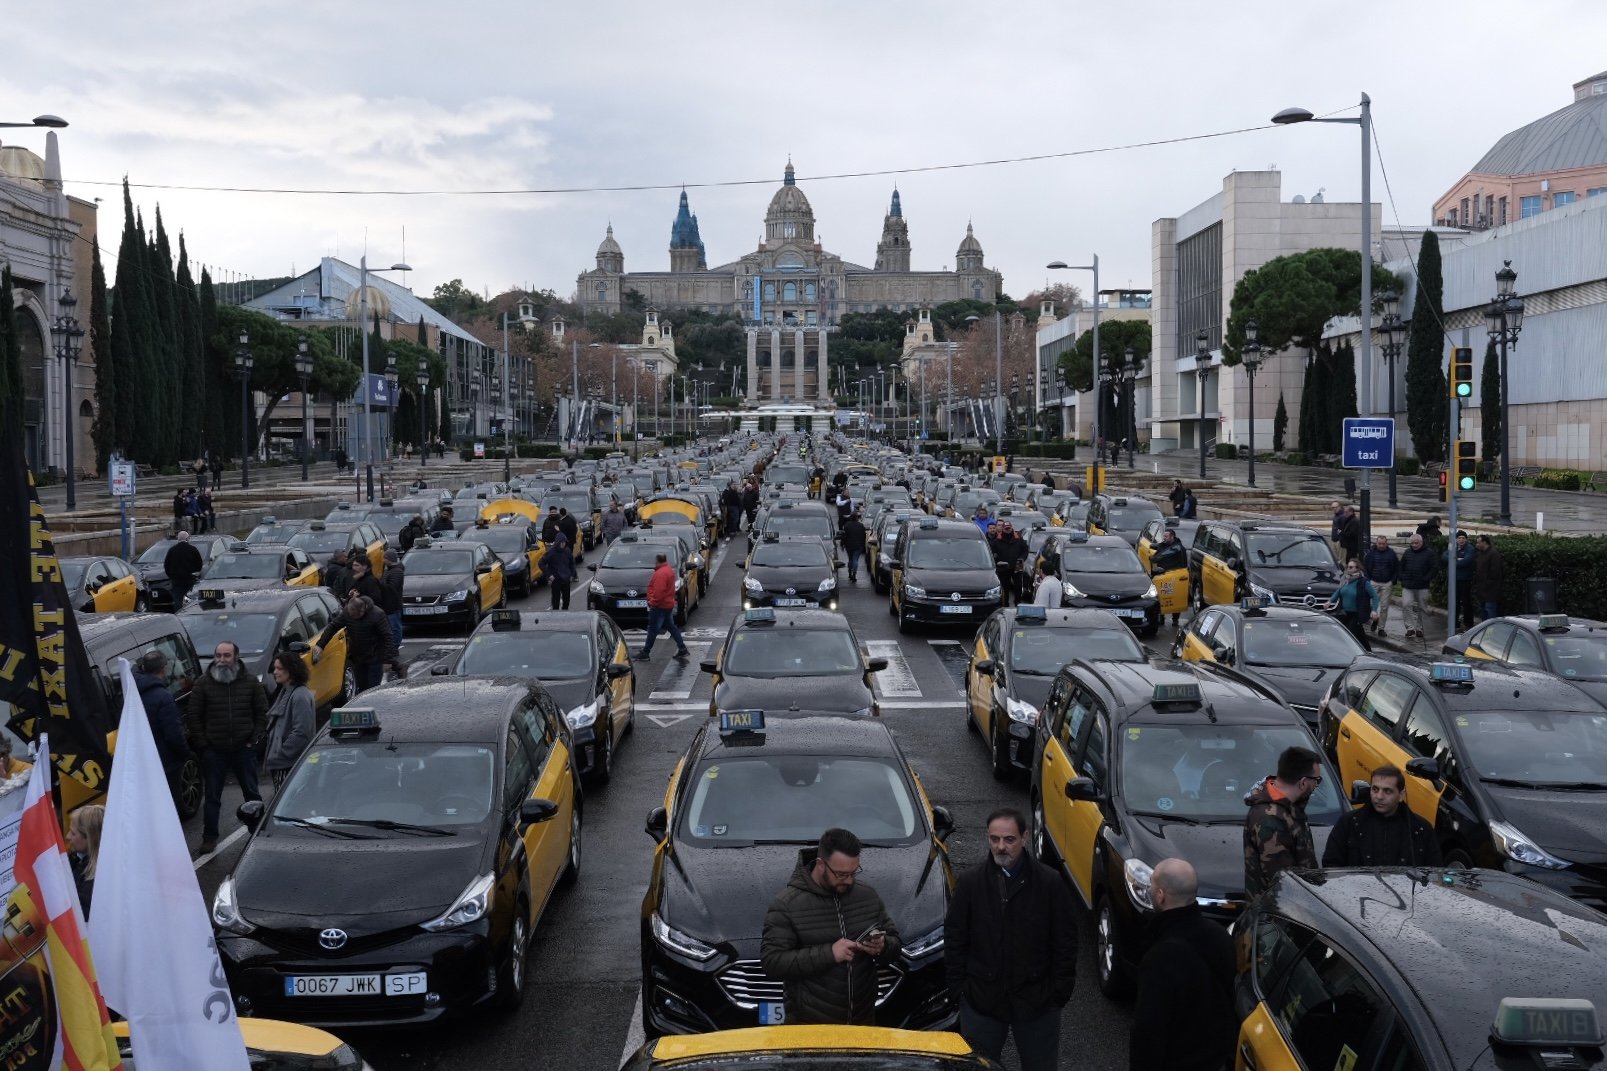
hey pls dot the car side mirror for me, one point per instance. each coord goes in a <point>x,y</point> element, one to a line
<point>658,823</point>
<point>1082,789</point>
<point>298,647</point>
<point>591,568</point>
<point>1234,563</point>
<point>984,666</point>
<point>616,670</point>
<point>1361,792</point>
<point>875,665</point>
<point>709,665</point>
<point>942,823</point>
<point>1427,769</point>
<point>250,814</point>
<point>532,812</point>
<point>482,570</point>
<point>1226,656</point>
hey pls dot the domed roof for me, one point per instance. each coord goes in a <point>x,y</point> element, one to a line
<point>789,200</point>
<point>19,163</point>
<point>378,304</point>
<point>1571,137</point>
<point>608,245</point>
<point>970,244</point>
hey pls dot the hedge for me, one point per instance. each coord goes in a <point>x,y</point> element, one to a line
<point>1408,466</point>
<point>1064,451</point>
<point>1560,480</point>
<point>1226,451</point>
<point>1577,564</point>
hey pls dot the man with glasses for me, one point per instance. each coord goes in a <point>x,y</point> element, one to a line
<point>1385,832</point>
<point>1276,836</point>
<point>825,933</point>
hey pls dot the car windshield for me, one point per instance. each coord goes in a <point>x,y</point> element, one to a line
<point>1311,641</point>
<point>272,533</point>
<point>439,562</point>
<point>667,515</point>
<point>787,522</point>
<point>545,654</point>
<point>505,539</point>
<point>1201,772</point>
<point>632,555</point>
<point>1281,549</point>
<point>325,542</point>
<point>1538,746</point>
<point>576,502</point>
<point>959,553</point>
<point>1040,651</point>
<point>1578,657</point>
<point>1076,513</point>
<point>254,633</point>
<point>968,501</point>
<point>158,551</point>
<point>231,566</point>
<point>72,573</point>
<point>786,474</point>
<point>1080,558</point>
<point>783,554</point>
<point>1131,518</point>
<point>424,784</point>
<point>391,524</point>
<point>790,652</point>
<point>767,797</point>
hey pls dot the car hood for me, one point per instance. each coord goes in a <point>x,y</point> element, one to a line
<point>620,579</point>
<point>1030,689</point>
<point>1301,685</point>
<point>1122,585</point>
<point>570,694</point>
<point>150,571</point>
<point>437,585</point>
<point>940,582</point>
<point>720,895</point>
<point>1216,851</point>
<point>1597,690</point>
<point>779,578</point>
<point>512,562</point>
<point>843,693</point>
<point>1296,579</point>
<point>290,878</point>
<point>1573,822</point>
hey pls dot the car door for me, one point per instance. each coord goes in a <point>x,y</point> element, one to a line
<point>1325,1012</point>
<point>518,785</point>
<point>1425,736</point>
<point>895,566</point>
<point>979,686</point>
<point>1054,764</point>
<point>1197,642</point>
<point>1218,582</point>
<point>622,691</point>
<point>552,779</point>
<point>487,576</point>
<point>1086,818</point>
<point>300,570</point>
<point>1524,651</point>
<point>328,675</point>
<point>1489,642</point>
<point>1367,734</point>
<point>119,590</point>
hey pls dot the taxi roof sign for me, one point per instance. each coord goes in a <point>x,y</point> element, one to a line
<point>759,615</point>
<point>928,522</point>
<point>1177,693</point>
<point>1077,537</point>
<point>353,720</point>
<point>1553,622</point>
<point>741,721</point>
<point>1450,673</point>
<point>505,620</point>
<point>1253,604</point>
<point>1031,615</point>
<point>1540,1021</point>
<point>268,518</point>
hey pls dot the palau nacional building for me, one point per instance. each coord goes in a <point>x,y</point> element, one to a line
<point>790,292</point>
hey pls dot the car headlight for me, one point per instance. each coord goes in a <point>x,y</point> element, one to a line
<point>585,715</point>
<point>697,562</point>
<point>1137,875</point>
<point>455,596</point>
<point>1025,713</point>
<point>681,943</point>
<point>913,592</point>
<point>1520,849</point>
<point>1071,590</point>
<point>472,904</point>
<point>596,588</point>
<point>1264,593</point>
<point>750,584</point>
<point>226,911</point>
<point>924,945</point>
<point>993,593</point>
<point>828,584</point>
<point>1151,593</point>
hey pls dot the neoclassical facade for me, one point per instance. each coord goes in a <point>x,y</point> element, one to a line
<point>790,281</point>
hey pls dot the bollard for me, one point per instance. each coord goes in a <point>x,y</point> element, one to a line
<point>1540,521</point>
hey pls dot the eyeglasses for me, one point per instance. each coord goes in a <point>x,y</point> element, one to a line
<point>1315,779</point>
<point>841,875</point>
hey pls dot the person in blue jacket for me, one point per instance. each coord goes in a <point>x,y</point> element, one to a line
<point>1464,553</point>
<point>150,679</point>
<point>1355,604</point>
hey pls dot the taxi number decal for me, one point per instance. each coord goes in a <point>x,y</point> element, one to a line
<point>711,773</point>
<point>1461,721</point>
<point>1347,1059</point>
<point>1134,732</point>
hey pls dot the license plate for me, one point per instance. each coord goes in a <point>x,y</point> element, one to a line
<point>953,609</point>
<point>791,602</point>
<point>414,610</point>
<point>631,604</point>
<point>772,1013</point>
<point>356,985</point>
<point>1139,614</point>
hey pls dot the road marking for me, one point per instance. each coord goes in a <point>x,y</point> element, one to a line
<point>940,643</point>
<point>635,1037</point>
<point>896,680</point>
<point>681,678</point>
<point>221,848</point>
<point>665,721</point>
<point>718,560</point>
<point>702,633</point>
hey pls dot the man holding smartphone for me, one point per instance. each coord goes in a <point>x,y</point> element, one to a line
<point>824,934</point>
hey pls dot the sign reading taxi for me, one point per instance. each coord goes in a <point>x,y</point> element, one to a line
<point>1368,443</point>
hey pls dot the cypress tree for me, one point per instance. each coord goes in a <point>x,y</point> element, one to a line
<point>1490,404</point>
<point>191,395</point>
<point>423,333</point>
<point>1280,425</point>
<point>167,357</point>
<point>1425,356</point>
<point>127,348</point>
<point>108,435</point>
<point>1342,396</point>
<point>221,426</point>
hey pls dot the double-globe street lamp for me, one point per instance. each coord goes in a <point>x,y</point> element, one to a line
<point>1251,354</point>
<point>1202,368</point>
<point>303,363</point>
<point>1504,318</point>
<point>422,377</point>
<point>69,344</point>
<point>1394,332</point>
<point>1129,377</point>
<point>242,369</point>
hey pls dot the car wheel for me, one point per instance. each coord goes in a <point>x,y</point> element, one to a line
<point>572,868</point>
<point>603,768</point>
<point>1042,846</point>
<point>348,686</point>
<point>189,790</point>
<point>971,725</point>
<point>511,976</point>
<point>1113,979</point>
<point>140,603</point>
<point>680,611</point>
<point>1197,594</point>
<point>892,607</point>
<point>1458,857</point>
<point>502,600</point>
<point>905,625</point>
<point>1002,768</point>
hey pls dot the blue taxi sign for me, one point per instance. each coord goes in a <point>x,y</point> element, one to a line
<point>1177,693</point>
<point>741,721</point>
<point>353,720</point>
<point>759,615</point>
<point>1031,615</point>
<point>1450,673</point>
<point>1539,1021</point>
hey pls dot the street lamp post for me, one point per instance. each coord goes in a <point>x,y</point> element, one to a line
<point>1504,319</point>
<point>423,378</point>
<point>391,378</point>
<point>1129,406</point>
<point>1015,397</point>
<point>1251,352</point>
<point>242,368</point>
<point>368,411</point>
<point>1202,368</point>
<point>1394,332</point>
<point>1060,265</point>
<point>69,344</point>
<point>303,362</point>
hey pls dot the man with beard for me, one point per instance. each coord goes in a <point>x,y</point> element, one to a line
<point>1010,948</point>
<point>226,715</point>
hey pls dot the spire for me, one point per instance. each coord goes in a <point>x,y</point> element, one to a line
<point>789,177</point>
<point>897,209</point>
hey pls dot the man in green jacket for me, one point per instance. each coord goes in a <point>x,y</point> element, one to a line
<point>824,935</point>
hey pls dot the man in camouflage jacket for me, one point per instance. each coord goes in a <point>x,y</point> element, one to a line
<point>1276,836</point>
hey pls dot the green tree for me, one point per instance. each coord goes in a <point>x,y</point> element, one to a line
<point>1341,397</point>
<point>1313,407</point>
<point>129,345</point>
<point>221,425</point>
<point>455,301</point>
<point>273,351</point>
<point>1426,387</point>
<point>1292,298</point>
<point>108,436</point>
<point>1490,403</point>
<point>166,357</point>
<point>191,356</point>
<point>1115,336</point>
<point>1280,425</point>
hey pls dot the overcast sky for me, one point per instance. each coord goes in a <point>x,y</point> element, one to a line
<point>492,96</point>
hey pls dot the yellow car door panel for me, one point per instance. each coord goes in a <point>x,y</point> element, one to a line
<point>1085,819</point>
<point>1173,589</point>
<point>1261,1046</point>
<point>980,693</point>
<point>115,595</point>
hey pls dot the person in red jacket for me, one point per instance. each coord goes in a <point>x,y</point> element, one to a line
<point>661,610</point>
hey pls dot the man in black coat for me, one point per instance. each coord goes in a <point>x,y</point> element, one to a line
<point>167,727</point>
<point>1010,948</point>
<point>1184,1018</point>
<point>182,563</point>
<point>852,536</point>
<point>1385,832</point>
<point>569,528</point>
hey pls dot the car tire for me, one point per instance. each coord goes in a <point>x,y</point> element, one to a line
<point>502,600</point>
<point>140,604</point>
<point>511,975</point>
<point>1003,770</point>
<point>1197,595</point>
<point>348,686</point>
<point>876,584</point>
<point>1114,981</point>
<point>1458,857</point>
<point>905,624</point>
<point>971,725</point>
<point>1042,846</point>
<point>603,769</point>
<point>572,864</point>
<point>189,789</point>
<point>681,611</point>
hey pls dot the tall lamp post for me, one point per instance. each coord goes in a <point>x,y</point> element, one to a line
<point>1202,368</point>
<point>1504,318</point>
<point>69,344</point>
<point>1129,409</point>
<point>422,377</point>
<point>1015,396</point>
<point>303,362</point>
<point>391,378</point>
<point>1394,332</point>
<point>1251,354</point>
<point>242,368</point>
<point>368,411</point>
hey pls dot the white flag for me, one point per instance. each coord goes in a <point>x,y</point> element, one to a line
<point>149,929</point>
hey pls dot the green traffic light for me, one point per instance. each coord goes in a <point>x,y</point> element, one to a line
<point>1465,483</point>
<point>1464,390</point>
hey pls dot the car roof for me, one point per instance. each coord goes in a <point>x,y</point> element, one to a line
<point>446,708</point>
<point>260,599</point>
<point>547,621</point>
<point>805,618</point>
<point>923,528</point>
<point>1496,685</point>
<point>1228,698</point>
<point>1102,541</point>
<point>1069,617</point>
<point>1269,526</point>
<point>1280,612</point>
<point>93,628</point>
<point>816,735</point>
<point>1584,624</point>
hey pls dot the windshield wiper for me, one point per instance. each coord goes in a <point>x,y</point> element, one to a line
<point>1169,817</point>
<point>1512,782</point>
<point>399,827</point>
<point>1581,785</point>
<point>320,827</point>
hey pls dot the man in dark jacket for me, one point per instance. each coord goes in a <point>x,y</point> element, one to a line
<point>1382,567</point>
<point>558,566</point>
<point>1184,1017</point>
<point>1009,561</point>
<point>338,575</point>
<point>1276,836</point>
<point>150,679</point>
<point>364,582</point>
<point>1010,948</point>
<point>1487,578</point>
<point>226,715</point>
<point>1418,569</point>
<point>750,502</point>
<point>394,579</point>
<point>1350,535</point>
<point>570,530</point>
<point>824,934</point>
<point>549,528</point>
<point>731,508</point>
<point>410,533</point>
<point>444,521</point>
<point>1465,559</point>
<point>182,563</point>
<point>852,536</point>
<point>1383,833</point>
<point>370,647</point>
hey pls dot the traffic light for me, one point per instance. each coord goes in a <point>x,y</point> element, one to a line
<point>1467,464</point>
<point>1445,487</point>
<point>1462,372</point>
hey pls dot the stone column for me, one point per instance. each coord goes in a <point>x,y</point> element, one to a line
<point>753,365</point>
<point>799,365</point>
<point>822,388</point>
<point>775,364</point>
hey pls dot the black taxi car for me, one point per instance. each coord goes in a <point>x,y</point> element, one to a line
<point>942,572</point>
<point>847,1048</point>
<point>1120,515</point>
<point>273,530</point>
<point>322,539</point>
<point>252,567</point>
<point>1292,650</point>
<point>267,623</point>
<point>619,587</point>
<point>271,1045</point>
<point>1103,572</point>
<point>768,787</point>
<point>1508,765</point>
<point>517,544</point>
<point>153,572</point>
<point>1016,656</point>
<point>1139,762</point>
<point>1574,648</point>
<point>580,658</point>
<point>451,582</point>
<point>101,584</point>
<point>398,874</point>
<point>792,659</point>
<point>1418,970</point>
<point>790,573</point>
<point>880,542</point>
<point>1280,562</point>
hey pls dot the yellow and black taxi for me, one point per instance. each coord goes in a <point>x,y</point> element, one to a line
<point>1048,501</point>
<point>1120,515</point>
<point>1282,563</point>
<point>963,506</point>
<point>102,584</point>
<point>787,474</point>
<point>880,540</point>
<point>1015,658</point>
<point>1418,970</point>
<point>694,545</point>
<point>582,506</point>
<point>451,582</point>
<point>790,572</point>
<point>814,520</point>
<point>398,874</point>
<point>1508,765</point>
<point>273,530</point>
<point>244,567</point>
<point>392,515</point>
<point>1574,648</point>
<point>942,571</point>
<point>580,658</point>
<point>271,622</point>
<point>152,571</point>
<point>791,660</point>
<point>768,786</point>
<point>271,1045</point>
<point>873,1048</point>
<point>518,546</point>
<point>1139,762</point>
<point>1103,573</point>
<point>619,586</point>
<point>322,539</point>
<point>1292,650</point>
<point>1149,538</point>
